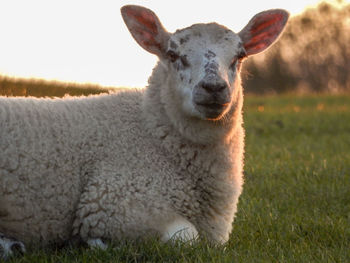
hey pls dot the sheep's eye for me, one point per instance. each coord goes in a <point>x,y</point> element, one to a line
<point>172,56</point>
<point>238,59</point>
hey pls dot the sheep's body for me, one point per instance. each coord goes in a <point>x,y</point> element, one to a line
<point>93,160</point>
<point>135,163</point>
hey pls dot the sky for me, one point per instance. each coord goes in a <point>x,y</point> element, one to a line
<point>86,41</point>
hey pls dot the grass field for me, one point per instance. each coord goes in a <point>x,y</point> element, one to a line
<point>296,201</point>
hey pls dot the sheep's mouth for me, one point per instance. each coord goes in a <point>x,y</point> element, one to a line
<point>212,110</point>
<point>213,105</point>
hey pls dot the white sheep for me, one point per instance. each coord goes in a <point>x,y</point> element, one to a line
<point>165,161</point>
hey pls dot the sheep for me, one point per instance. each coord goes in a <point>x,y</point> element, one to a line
<point>165,161</point>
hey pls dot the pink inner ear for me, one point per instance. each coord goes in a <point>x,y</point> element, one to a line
<point>145,28</point>
<point>144,19</point>
<point>260,41</point>
<point>149,40</point>
<point>272,20</point>
<point>264,31</point>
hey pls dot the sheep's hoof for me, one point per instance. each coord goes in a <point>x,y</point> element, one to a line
<point>96,243</point>
<point>10,247</point>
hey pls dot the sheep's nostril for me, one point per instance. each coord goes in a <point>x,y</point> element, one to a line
<point>213,87</point>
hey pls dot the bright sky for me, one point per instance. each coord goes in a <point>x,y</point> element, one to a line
<point>86,41</point>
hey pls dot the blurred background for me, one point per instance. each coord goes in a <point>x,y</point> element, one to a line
<point>64,44</point>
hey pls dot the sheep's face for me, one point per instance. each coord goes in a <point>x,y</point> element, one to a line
<point>203,62</point>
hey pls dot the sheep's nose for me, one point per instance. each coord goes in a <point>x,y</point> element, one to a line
<point>213,87</point>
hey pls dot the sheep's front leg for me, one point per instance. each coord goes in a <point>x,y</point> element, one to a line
<point>91,216</point>
<point>95,209</point>
<point>9,247</point>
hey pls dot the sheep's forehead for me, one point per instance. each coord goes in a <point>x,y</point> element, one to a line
<point>202,39</point>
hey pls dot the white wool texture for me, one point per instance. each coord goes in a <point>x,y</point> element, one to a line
<point>114,166</point>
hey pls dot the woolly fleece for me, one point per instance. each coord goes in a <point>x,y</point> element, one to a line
<point>111,165</point>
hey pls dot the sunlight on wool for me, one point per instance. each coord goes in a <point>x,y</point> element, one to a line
<point>87,41</point>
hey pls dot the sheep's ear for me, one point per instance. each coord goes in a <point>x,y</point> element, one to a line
<point>146,28</point>
<point>262,30</point>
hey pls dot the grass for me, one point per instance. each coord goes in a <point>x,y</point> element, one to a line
<point>296,201</point>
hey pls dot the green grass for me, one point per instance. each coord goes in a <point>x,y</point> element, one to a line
<point>296,201</point>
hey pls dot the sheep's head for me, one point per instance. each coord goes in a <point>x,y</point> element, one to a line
<point>204,60</point>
